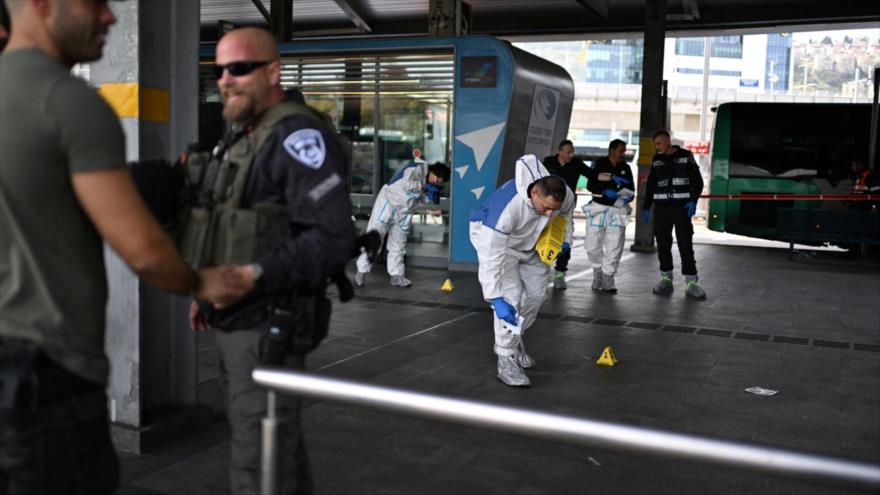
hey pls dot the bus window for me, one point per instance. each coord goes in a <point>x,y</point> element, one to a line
<point>796,140</point>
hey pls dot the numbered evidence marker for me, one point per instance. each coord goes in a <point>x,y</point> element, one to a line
<point>607,358</point>
<point>550,241</point>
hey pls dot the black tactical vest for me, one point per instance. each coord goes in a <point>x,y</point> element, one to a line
<point>215,230</point>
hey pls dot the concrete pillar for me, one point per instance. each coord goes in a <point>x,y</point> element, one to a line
<point>282,19</point>
<point>651,119</point>
<point>874,145</point>
<point>149,74</point>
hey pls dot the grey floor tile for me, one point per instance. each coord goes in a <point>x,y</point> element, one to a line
<point>682,381</point>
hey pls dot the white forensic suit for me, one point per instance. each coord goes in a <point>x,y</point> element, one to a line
<point>606,230</point>
<point>607,219</point>
<point>392,213</point>
<point>504,230</point>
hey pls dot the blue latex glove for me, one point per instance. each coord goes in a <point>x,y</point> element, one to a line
<point>504,310</point>
<point>610,194</point>
<point>691,208</point>
<point>646,216</point>
<point>432,191</point>
<point>628,199</point>
<point>565,246</point>
<point>620,180</point>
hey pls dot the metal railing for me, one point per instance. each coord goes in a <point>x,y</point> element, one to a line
<point>567,429</point>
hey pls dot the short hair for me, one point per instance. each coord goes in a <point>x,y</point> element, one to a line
<point>440,170</point>
<point>564,142</point>
<point>662,132</point>
<point>551,185</point>
<point>615,143</point>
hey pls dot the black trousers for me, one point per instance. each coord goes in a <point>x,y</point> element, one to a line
<point>562,260</point>
<point>674,216</point>
<point>54,431</point>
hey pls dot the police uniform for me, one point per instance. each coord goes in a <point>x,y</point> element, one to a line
<point>607,219</point>
<point>293,182</point>
<point>673,182</point>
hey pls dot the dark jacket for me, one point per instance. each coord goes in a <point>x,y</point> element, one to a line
<point>322,234</point>
<point>602,166</point>
<point>674,178</point>
<point>570,173</point>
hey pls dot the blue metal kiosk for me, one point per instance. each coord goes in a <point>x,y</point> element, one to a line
<point>505,103</point>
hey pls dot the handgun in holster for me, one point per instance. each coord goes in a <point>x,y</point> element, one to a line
<point>298,323</point>
<point>296,326</point>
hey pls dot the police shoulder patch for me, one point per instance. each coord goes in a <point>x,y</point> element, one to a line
<point>307,147</point>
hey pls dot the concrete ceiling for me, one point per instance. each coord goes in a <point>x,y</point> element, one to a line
<point>543,17</point>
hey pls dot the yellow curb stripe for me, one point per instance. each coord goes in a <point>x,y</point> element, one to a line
<point>155,105</point>
<point>132,101</point>
<point>123,97</point>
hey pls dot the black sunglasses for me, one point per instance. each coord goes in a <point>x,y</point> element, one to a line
<point>239,68</point>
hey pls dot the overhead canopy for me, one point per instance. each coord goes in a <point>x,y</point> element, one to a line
<point>540,17</point>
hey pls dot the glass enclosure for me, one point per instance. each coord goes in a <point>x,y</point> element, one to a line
<point>391,107</point>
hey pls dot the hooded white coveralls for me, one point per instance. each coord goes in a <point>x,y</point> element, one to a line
<point>504,230</point>
<point>392,214</point>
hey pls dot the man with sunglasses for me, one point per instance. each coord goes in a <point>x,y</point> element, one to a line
<point>286,174</point>
<point>64,188</point>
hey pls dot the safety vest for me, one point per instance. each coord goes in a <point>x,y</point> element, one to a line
<point>673,181</point>
<point>215,230</point>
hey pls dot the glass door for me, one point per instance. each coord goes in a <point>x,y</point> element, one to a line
<point>413,95</point>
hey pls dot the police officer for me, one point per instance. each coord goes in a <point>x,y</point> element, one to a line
<point>286,206</point>
<point>674,185</point>
<point>612,187</point>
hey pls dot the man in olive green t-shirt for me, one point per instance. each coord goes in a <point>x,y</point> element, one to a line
<point>64,189</point>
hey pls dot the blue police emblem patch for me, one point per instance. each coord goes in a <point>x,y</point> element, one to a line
<point>307,147</point>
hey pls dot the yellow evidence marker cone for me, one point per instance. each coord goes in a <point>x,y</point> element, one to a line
<point>447,285</point>
<point>607,358</point>
<point>550,241</point>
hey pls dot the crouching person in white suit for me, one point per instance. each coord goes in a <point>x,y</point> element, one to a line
<point>413,186</point>
<point>504,230</point>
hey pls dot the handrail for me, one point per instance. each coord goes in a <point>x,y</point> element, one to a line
<point>573,429</point>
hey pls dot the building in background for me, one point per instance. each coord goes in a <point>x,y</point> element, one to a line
<point>783,67</point>
<point>748,64</point>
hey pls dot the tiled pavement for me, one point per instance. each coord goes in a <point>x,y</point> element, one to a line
<point>807,328</point>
